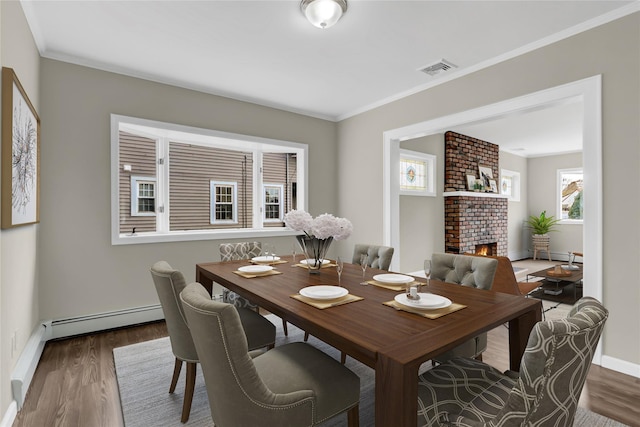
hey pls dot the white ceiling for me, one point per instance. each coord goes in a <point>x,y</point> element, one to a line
<point>266,52</point>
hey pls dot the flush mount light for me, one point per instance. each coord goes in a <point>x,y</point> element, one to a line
<point>323,13</point>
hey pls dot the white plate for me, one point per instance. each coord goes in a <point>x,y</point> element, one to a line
<point>323,292</point>
<point>255,268</point>
<point>268,258</point>
<point>393,278</point>
<point>313,261</point>
<point>426,301</point>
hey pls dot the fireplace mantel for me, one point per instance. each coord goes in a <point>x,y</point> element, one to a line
<point>473,194</point>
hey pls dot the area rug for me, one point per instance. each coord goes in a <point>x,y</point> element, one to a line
<point>144,373</point>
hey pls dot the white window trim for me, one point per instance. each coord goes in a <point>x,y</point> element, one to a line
<point>559,196</point>
<point>135,179</point>
<point>515,184</point>
<point>430,176</point>
<point>163,131</point>
<point>234,202</point>
<point>280,187</point>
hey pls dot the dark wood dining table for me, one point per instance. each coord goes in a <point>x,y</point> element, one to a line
<point>392,342</point>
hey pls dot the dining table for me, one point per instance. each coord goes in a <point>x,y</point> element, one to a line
<point>392,341</point>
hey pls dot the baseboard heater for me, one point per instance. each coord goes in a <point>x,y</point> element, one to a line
<point>28,361</point>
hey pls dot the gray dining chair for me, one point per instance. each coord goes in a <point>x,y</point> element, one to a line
<point>169,282</point>
<point>377,256</point>
<point>545,393</point>
<point>240,251</point>
<point>291,385</point>
<point>472,271</point>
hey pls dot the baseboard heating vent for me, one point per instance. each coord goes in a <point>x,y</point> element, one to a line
<point>28,362</point>
<point>437,67</point>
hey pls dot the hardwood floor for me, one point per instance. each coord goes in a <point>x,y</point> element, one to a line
<point>75,382</point>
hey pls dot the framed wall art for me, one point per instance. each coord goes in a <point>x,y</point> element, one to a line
<point>485,175</point>
<point>20,155</point>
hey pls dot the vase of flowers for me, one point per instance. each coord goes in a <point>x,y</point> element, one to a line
<point>318,234</point>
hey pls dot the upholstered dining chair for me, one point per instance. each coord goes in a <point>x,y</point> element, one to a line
<point>169,282</point>
<point>476,272</point>
<point>238,251</point>
<point>377,256</point>
<point>545,393</point>
<point>291,385</point>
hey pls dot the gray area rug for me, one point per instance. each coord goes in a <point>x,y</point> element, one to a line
<point>144,373</point>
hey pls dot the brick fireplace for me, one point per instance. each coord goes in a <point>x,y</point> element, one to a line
<point>472,219</point>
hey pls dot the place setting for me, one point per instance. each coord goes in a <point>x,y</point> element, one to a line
<point>325,296</point>
<point>256,270</point>
<point>425,304</point>
<point>393,281</point>
<point>310,262</point>
<point>268,258</point>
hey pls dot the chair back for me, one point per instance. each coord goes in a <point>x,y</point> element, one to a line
<point>238,251</point>
<point>476,272</point>
<point>169,283</point>
<point>554,368</point>
<point>378,256</point>
<point>237,394</point>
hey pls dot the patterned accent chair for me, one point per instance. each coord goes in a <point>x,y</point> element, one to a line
<point>169,283</point>
<point>554,367</point>
<point>476,272</point>
<point>291,385</point>
<point>378,256</point>
<point>238,251</point>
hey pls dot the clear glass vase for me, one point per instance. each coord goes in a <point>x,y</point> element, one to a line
<point>314,250</point>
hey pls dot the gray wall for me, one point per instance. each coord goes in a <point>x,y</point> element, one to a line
<point>518,242</point>
<point>19,306</point>
<point>610,50</point>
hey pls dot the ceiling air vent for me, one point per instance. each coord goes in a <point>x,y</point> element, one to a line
<point>437,67</point>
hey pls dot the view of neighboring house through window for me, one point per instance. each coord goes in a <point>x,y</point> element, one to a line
<point>570,202</point>
<point>190,181</point>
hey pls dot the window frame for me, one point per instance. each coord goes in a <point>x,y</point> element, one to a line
<point>429,162</point>
<point>280,188</point>
<point>559,175</point>
<point>213,202</point>
<point>514,176</point>
<point>162,132</point>
<point>135,194</point>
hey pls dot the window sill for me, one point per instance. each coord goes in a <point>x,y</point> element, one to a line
<point>186,236</point>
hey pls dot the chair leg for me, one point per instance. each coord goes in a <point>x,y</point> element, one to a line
<point>353,417</point>
<point>343,357</point>
<point>479,357</point>
<point>176,374</point>
<point>284,327</point>
<point>188,391</point>
<point>306,336</point>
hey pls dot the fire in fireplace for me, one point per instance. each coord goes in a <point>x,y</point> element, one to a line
<point>485,249</point>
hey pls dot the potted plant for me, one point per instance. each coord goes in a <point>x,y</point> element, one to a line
<point>540,226</point>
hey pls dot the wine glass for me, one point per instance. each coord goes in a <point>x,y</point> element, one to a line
<point>339,267</point>
<point>363,264</point>
<point>293,253</point>
<point>427,270</point>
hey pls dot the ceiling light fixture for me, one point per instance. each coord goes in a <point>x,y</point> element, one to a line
<point>323,13</point>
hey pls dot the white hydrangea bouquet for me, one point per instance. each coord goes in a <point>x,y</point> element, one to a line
<point>319,232</point>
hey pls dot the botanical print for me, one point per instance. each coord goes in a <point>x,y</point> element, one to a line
<point>24,161</point>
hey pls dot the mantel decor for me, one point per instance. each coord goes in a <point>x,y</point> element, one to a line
<point>20,155</point>
<point>318,234</point>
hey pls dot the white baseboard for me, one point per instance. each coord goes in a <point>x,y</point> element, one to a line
<point>621,366</point>
<point>28,361</point>
<point>10,415</point>
<point>99,322</point>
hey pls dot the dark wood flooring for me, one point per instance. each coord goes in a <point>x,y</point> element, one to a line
<point>75,382</point>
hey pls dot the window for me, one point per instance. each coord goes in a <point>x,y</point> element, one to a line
<point>143,196</point>
<point>510,184</point>
<point>417,173</point>
<point>273,203</point>
<point>570,203</point>
<point>223,200</point>
<point>174,183</point>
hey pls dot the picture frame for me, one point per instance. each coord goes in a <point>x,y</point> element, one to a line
<point>486,173</point>
<point>20,155</point>
<point>471,182</point>
<point>493,185</point>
